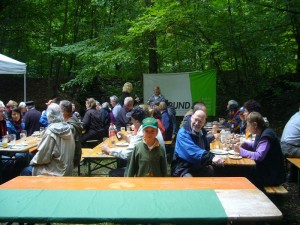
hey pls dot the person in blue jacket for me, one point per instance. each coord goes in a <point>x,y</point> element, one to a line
<point>192,157</point>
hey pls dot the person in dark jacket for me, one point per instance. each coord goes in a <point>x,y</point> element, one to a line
<point>91,122</point>
<point>105,117</point>
<point>122,120</point>
<point>266,152</point>
<point>192,157</point>
<point>127,92</point>
<point>32,118</point>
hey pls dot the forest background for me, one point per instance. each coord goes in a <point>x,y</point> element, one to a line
<point>89,48</point>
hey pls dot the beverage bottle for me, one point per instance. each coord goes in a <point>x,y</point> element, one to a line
<point>215,129</point>
<point>232,128</point>
<point>223,136</point>
<point>112,133</point>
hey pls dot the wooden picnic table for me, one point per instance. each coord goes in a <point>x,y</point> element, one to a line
<point>230,161</point>
<point>209,200</point>
<point>96,160</point>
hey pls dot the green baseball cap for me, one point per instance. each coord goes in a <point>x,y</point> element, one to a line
<point>149,122</point>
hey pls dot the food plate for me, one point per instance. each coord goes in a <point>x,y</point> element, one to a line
<point>231,152</point>
<point>235,157</point>
<point>122,144</point>
<point>219,152</point>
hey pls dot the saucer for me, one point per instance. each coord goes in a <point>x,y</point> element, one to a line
<point>235,157</point>
<point>219,152</point>
<point>122,144</point>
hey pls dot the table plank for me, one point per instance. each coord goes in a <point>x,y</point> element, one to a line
<point>88,206</point>
<point>127,183</point>
<point>239,204</point>
<point>155,200</point>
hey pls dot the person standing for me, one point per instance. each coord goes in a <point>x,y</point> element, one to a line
<point>156,98</point>
<point>148,157</point>
<point>32,118</point>
<point>127,92</point>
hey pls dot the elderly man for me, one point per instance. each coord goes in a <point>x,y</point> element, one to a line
<point>116,107</point>
<point>192,157</point>
<point>137,115</point>
<point>76,128</point>
<point>290,143</point>
<point>122,120</point>
<point>56,150</point>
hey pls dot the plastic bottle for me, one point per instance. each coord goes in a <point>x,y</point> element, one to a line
<point>223,136</point>
<point>232,128</point>
<point>112,133</point>
<point>215,129</point>
<point>111,130</point>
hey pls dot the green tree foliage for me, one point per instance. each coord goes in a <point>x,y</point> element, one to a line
<point>85,44</point>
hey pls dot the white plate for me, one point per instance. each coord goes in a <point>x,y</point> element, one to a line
<point>231,152</point>
<point>122,144</point>
<point>219,152</point>
<point>235,157</point>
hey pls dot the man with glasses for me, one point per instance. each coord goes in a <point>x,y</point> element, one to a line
<point>192,157</point>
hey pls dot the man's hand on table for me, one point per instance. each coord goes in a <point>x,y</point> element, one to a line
<point>105,149</point>
<point>218,161</point>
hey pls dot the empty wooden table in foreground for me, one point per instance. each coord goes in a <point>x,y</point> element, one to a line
<point>208,200</point>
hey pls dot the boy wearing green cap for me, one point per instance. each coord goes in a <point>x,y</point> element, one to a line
<point>148,157</point>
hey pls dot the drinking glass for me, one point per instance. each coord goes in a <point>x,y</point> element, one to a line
<point>122,129</point>
<point>12,139</point>
<point>42,130</point>
<point>128,128</point>
<point>24,132</point>
<point>4,142</point>
<point>23,136</point>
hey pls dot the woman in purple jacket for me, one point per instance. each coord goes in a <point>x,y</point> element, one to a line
<point>265,150</point>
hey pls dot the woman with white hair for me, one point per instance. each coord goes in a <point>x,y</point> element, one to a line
<point>56,150</point>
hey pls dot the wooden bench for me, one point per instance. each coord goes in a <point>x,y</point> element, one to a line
<point>296,162</point>
<point>279,190</point>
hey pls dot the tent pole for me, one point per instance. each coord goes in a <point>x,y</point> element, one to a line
<point>24,87</point>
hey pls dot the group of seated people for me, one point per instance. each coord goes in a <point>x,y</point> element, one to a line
<point>60,148</point>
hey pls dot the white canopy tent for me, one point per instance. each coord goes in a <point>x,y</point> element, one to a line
<point>11,66</point>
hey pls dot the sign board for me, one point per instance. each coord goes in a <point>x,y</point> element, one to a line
<point>183,89</point>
